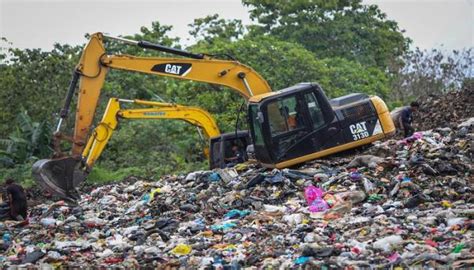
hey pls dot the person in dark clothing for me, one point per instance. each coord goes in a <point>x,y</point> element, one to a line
<point>237,157</point>
<point>403,117</point>
<point>17,200</point>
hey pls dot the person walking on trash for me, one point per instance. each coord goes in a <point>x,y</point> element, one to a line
<point>17,200</point>
<point>403,117</point>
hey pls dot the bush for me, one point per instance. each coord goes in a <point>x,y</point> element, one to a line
<point>21,173</point>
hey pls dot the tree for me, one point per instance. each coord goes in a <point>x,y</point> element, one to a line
<point>345,77</point>
<point>212,27</point>
<point>29,140</point>
<point>432,72</point>
<point>35,80</point>
<point>340,28</point>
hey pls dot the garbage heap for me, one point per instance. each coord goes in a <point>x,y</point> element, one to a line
<point>445,110</point>
<point>401,203</point>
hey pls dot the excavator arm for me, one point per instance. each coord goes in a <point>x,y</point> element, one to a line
<point>63,173</point>
<point>95,63</point>
<point>157,110</point>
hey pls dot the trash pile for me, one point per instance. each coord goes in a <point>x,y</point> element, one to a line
<point>445,110</point>
<point>401,203</point>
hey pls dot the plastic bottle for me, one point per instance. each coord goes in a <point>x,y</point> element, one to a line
<point>7,238</point>
<point>368,186</point>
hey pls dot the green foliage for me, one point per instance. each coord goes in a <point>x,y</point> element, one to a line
<point>468,83</point>
<point>336,28</point>
<point>34,80</point>
<point>100,175</point>
<point>212,27</point>
<point>282,64</point>
<point>156,146</point>
<point>28,141</point>
<point>345,77</point>
<point>395,104</point>
<point>21,173</point>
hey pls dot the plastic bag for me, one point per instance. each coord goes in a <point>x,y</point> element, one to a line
<point>311,193</point>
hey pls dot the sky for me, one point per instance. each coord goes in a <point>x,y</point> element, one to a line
<point>447,24</point>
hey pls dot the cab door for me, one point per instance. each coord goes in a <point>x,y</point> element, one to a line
<point>326,131</point>
<point>301,123</point>
<point>289,127</point>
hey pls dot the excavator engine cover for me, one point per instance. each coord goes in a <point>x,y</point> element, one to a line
<point>60,176</point>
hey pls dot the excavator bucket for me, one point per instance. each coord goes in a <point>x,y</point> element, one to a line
<point>60,176</point>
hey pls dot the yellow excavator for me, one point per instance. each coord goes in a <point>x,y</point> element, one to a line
<point>287,127</point>
<point>153,110</point>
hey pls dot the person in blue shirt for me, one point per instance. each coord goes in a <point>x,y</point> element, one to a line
<point>403,118</point>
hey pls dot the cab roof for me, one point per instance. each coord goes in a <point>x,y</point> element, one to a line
<point>284,91</point>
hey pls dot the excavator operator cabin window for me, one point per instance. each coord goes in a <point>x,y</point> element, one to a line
<point>257,128</point>
<point>283,115</point>
<point>314,111</point>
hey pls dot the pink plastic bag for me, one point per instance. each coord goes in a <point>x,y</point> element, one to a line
<point>311,193</point>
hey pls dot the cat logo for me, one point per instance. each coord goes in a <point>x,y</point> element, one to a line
<point>173,69</point>
<point>178,69</point>
<point>359,131</point>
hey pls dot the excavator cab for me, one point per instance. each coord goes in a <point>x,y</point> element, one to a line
<point>300,123</point>
<point>221,147</point>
